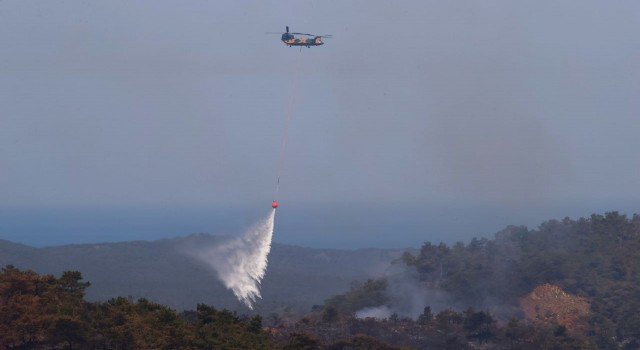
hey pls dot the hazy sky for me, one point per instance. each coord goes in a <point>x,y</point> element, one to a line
<point>511,104</point>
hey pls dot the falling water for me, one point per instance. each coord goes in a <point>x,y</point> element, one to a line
<point>241,262</point>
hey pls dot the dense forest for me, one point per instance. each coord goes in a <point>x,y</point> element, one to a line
<point>540,277</point>
<point>569,284</point>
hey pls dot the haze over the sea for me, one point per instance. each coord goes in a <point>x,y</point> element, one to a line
<point>418,120</point>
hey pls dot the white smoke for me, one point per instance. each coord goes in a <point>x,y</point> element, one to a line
<point>241,262</point>
<point>407,296</point>
<point>380,312</point>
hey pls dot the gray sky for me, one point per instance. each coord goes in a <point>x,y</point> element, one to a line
<point>157,103</point>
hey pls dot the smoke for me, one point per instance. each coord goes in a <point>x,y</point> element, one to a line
<point>241,262</point>
<point>380,312</point>
<point>407,296</point>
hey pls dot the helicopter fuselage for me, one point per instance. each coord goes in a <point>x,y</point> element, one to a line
<point>290,40</point>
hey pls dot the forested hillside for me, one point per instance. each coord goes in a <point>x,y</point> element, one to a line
<point>570,284</point>
<point>597,258</point>
<point>560,268</point>
<point>44,312</point>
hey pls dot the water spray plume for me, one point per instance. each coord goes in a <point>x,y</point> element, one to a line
<point>241,262</point>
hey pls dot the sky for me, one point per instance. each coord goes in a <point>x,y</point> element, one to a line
<point>417,120</point>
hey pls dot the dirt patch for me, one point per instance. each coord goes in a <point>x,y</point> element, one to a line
<point>549,304</point>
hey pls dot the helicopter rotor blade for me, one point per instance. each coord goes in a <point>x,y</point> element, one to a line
<point>296,33</point>
<point>314,35</point>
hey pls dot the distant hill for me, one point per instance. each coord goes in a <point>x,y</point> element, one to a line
<point>297,278</point>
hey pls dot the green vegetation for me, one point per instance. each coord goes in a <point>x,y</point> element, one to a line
<point>448,329</point>
<point>44,312</point>
<point>368,294</point>
<point>595,259</point>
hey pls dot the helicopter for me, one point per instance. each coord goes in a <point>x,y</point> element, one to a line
<point>290,40</point>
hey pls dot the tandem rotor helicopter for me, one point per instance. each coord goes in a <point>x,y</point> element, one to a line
<point>290,40</point>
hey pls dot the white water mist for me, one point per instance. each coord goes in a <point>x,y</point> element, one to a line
<point>241,262</point>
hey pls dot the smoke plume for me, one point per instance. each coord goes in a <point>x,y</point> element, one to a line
<point>380,312</point>
<point>407,296</point>
<point>241,262</point>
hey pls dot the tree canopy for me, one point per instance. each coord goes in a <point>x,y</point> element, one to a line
<point>592,263</point>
